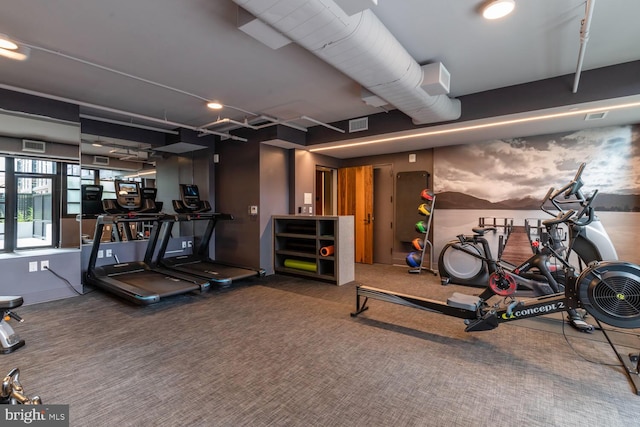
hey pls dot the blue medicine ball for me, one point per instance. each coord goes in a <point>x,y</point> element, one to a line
<point>414,259</point>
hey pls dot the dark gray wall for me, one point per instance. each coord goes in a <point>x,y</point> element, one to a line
<point>303,166</point>
<point>274,197</point>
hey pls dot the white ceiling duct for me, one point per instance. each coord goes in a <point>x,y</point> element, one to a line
<point>361,47</point>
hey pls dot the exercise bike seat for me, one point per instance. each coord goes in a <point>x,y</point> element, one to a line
<point>7,302</point>
<point>481,230</point>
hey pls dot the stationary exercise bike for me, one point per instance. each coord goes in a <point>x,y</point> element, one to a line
<point>12,392</point>
<point>467,260</point>
<point>9,340</point>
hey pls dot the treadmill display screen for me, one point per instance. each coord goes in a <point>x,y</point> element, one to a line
<point>128,188</point>
<point>191,191</point>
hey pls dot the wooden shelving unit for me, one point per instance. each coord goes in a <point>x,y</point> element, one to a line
<point>301,238</point>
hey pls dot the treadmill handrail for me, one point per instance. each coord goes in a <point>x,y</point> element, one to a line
<point>130,217</point>
<point>203,216</point>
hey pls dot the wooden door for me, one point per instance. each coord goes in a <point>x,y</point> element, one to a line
<point>355,197</point>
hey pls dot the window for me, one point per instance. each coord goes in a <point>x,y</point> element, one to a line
<point>35,200</point>
<point>29,203</point>
<point>75,177</point>
<point>106,180</point>
<point>73,190</point>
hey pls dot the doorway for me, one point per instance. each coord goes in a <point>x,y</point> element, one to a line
<point>326,202</point>
<point>356,198</point>
<point>383,214</point>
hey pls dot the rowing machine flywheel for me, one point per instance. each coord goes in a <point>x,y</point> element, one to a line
<point>610,292</point>
<point>502,283</point>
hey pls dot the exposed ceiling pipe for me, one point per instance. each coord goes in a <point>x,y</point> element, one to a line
<point>273,121</point>
<point>142,79</point>
<point>312,120</point>
<point>119,112</point>
<point>246,124</point>
<point>113,70</point>
<point>584,38</point>
<point>362,48</point>
<point>123,123</point>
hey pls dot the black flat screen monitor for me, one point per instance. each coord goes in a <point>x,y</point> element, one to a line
<point>127,189</point>
<point>191,191</point>
<point>128,195</point>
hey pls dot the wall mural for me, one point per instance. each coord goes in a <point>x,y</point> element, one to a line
<point>508,179</point>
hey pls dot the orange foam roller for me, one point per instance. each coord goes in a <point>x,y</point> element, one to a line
<point>327,250</point>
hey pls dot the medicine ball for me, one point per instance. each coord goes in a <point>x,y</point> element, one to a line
<point>426,195</point>
<point>414,259</point>
<point>418,244</point>
<point>421,227</point>
<point>423,209</point>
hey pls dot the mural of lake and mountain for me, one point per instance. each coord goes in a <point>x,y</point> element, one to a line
<point>509,178</point>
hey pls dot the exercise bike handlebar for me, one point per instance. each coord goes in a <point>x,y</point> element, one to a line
<point>562,195</point>
<point>12,391</point>
<point>560,218</point>
<point>587,214</point>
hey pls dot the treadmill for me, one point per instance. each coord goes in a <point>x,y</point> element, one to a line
<point>191,208</point>
<point>137,281</point>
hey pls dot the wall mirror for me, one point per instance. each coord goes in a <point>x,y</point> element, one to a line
<point>105,160</point>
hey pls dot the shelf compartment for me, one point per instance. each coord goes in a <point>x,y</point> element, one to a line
<point>299,240</point>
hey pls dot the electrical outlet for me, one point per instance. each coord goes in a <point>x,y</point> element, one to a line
<point>44,265</point>
<point>100,253</point>
<point>109,253</point>
<point>184,245</point>
<point>189,243</point>
<point>33,266</point>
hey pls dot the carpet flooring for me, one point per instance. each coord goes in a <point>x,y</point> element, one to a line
<point>284,351</point>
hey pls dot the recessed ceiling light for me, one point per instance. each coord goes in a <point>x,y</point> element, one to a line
<point>498,8</point>
<point>12,50</point>
<point>7,43</point>
<point>214,105</point>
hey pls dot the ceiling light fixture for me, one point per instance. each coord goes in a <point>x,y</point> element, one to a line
<point>7,43</point>
<point>496,9</point>
<point>138,174</point>
<point>12,50</point>
<point>214,105</point>
<point>480,126</point>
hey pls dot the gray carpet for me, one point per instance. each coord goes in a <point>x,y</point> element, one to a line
<point>283,351</point>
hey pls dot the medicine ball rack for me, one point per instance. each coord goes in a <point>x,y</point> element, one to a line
<point>421,245</point>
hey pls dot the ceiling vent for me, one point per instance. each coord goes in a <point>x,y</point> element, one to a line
<point>100,160</point>
<point>596,116</point>
<point>357,125</point>
<point>33,146</point>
